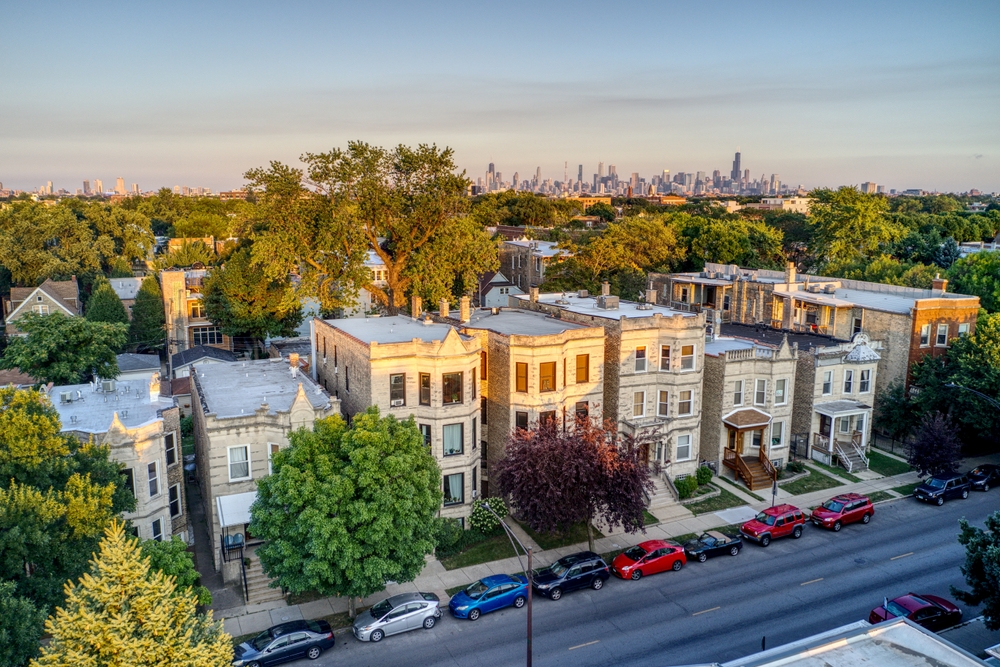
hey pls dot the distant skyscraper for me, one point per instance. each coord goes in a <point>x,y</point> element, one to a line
<point>514,182</point>
<point>869,188</point>
<point>98,186</point>
<point>86,187</point>
<point>538,175</point>
<point>579,173</point>
<point>120,186</point>
<point>735,174</point>
<point>48,188</point>
<point>600,170</point>
<point>135,188</point>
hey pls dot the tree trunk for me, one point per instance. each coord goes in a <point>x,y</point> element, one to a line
<point>352,609</point>
<point>590,535</point>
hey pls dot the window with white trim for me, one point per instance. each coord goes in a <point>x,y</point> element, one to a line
<point>738,392</point>
<point>663,405</point>
<point>780,393</point>
<point>239,463</point>
<point>963,329</point>
<point>639,404</point>
<point>158,530</point>
<point>865,384</point>
<point>848,382</point>
<point>272,449</point>
<point>640,359</point>
<point>453,435</point>
<point>925,335</point>
<point>827,383</point>
<point>683,447</point>
<point>760,392</point>
<point>154,479</point>
<point>664,357</point>
<point>687,357</point>
<point>170,447</point>
<point>942,335</point>
<point>174,494</point>
<point>777,434</point>
<point>685,403</point>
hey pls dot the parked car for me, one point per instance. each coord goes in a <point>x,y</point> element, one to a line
<point>648,558</point>
<point>984,476</point>
<point>929,611</point>
<point>281,643</point>
<point>940,488</point>
<point>489,594</point>
<point>842,509</point>
<point>406,611</point>
<point>581,570</point>
<point>774,522</point>
<point>712,543</point>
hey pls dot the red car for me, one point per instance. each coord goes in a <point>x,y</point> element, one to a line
<point>774,522</point>
<point>846,508</point>
<point>929,611</point>
<point>649,558</point>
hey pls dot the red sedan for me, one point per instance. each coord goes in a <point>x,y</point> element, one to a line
<point>929,611</point>
<point>649,558</point>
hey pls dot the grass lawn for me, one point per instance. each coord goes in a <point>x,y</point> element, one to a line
<point>840,472</point>
<point>724,500</point>
<point>879,496</point>
<point>741,488</point>
<point>187,444</point>
<point>814,481</point>
<point>495,547</point>
<point>887,466</point>
<point>648,519</point>
<point>573,535</point>
<point>907,489</point>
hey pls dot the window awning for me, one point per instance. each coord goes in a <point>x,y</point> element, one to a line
<point>234,510</point>
<point>747,418</point>
<point>841,408</point>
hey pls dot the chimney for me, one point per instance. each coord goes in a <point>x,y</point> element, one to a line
<point>605,289</point>
<point>416,306</point>
<point>154,388</point>
<point>651,295</point>
<point>443,307</point>
<point>939,284</point>
<point>533,294</point>
<point>464,307</point>
<point>293,363</point>
<point>790,272</point>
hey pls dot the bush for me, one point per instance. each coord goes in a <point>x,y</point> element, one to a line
<point>704,475</point>
<point>447,533</point>
<point>686,487</point>
<point>187,426</point>
<point>482,519</point>
<point>795,467</point>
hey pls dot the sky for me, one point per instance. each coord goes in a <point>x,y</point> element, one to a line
<point>902,93</point>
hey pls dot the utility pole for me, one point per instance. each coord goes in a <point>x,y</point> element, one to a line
<point>528,573</point>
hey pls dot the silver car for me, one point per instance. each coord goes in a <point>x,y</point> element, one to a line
<point>406,611</point>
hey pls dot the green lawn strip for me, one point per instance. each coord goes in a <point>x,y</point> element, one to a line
<point>741,488</point>
<point>575,534</point>
<point>494,547</point>
<point>724,500</point>
<point>814,481</point>
<point>879,496</point>
<point>907,489</point>
<point>840,472</point>
<point>648,519</point>
<point>886,465</point>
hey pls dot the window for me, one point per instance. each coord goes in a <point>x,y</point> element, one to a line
<point>844,424</point>
<point>425,430</point>
<point>197,309</point>
<point>547,376</point>
<point>474,481</point>
<point>760,393</point>
<point>475,429</point>
<point>347,378</point>
<point>582,409</point>
<point>482,364</point>
<point>639,404</point>
<point>856,328</point>
<point>239,463</point>
<point>454,489</point>
<point>684,447</point>
<point>664,357</point>
<point>780,398</point>
<point>272,449</point>
<point>482,408</point>
<point>738,392</point>
<point>663,405</point>
<point>942,335</point>
<point>547,417</point>
<point>859,424</point>
<point>521,420</point>
<point>174,493</point>
<point>925,335</point>
<point>425,389</point>
<point>848,382</point>
<point>687,357</point>
<point>154,479</point>
<point>827,383</point>
<point>397,389</point>
<point>452,387</point>
<point>453,435</point>
<point>129,480</point>
<point>170,446</point>
<point>865,385</point>
<point>777,434</point>
<point>725,302</point>
<point>474,384</point>
<point>963,329</point>
<point>685,403</point>
<point>206,336</point>
<point>158,530</point>
<point>521,377</point>
<point>41,310</point>
<point>684,295</point>
<point>640,360</point>
<point>582,368</point>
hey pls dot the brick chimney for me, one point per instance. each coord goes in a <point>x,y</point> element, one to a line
<point>416,307</point>
<point>651,295</point>
<point>939,284</point>
<point>605,289</point>
<point>443,307</point>
<point>464,309</point>
<point>533,294</point>
<point>790,272</point>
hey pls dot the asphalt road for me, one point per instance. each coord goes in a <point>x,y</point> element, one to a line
<point>713,611</point>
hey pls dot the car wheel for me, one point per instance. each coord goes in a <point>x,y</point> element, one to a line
<point>797,532</point>
<point>702,557</point>
<point>474,614</point>
<point>940,501</point>
<point>637,575</point>
<point>965,494</point>
<point>734,551</point>
<point>866,518</point>
<point>519,601</point>
<point>313,653</point>
<point>377,636</point>
<point>555,593</point>
<point>677,566</point>
<point>764,541</point>
<point>837,526</point>
<point>253,664</point>
<point>597,584</point>
<point>986,487</point>
<point>429,622</point>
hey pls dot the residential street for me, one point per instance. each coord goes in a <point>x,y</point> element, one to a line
<point>707,612</point>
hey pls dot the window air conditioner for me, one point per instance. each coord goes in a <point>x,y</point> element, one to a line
<point>396,402</point>
<point>474,494</point>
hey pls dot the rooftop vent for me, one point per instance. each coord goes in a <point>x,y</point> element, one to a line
<point>563,301</point>
<point>815,289</point>
<point>830,289</point>
<point>607,302</point>
<point>108,386</point>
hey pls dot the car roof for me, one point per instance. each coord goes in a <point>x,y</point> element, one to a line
<point>912,602</point>
<point>780,509</point>
<point>403,598</point>
<point>947,475</point>
<point>717,535</point>
<point>497,579</point>
<point>577,557</point>
<point>650,545</point>
<point>848,497</point>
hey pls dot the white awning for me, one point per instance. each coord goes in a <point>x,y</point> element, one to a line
<point>841,408</point>
<point>234,510</point>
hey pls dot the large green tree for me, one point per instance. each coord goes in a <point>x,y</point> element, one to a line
<point>347,510</point>
<point>104,305</point>
<point>982,568</point>
<point>850,225</point>
<point>979,275</point>
<point>147,332</point>
<point>172,558</point>
<point>65,350</point>
<point>21,624</point>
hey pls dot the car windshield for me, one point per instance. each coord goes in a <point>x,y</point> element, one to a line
<point>935,483</point>
<point>635,553</point>
<point>897,609</point>
<point>978,471</point>
<point>381,609</point>
<point>476,590</point>
<point>707,540</point>
<point>557,568</point>
<point>261,641</point>
<point>765,519</point>
<point>833,506</point>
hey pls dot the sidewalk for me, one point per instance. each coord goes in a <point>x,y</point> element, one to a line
<point>435,578</point>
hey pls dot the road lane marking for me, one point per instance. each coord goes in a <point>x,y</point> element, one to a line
<point>902,556</point>
<point>806,583</point>
<point>705,611</point>
<point>587,644</point>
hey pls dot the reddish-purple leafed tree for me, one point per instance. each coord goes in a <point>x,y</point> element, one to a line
<point>555,479</point>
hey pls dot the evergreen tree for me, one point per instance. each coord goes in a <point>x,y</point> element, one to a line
<point>119,614</point>
<point>20,627</point>
<point>104,305</point>
<point>147,332</point>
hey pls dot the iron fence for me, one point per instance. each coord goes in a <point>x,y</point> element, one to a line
<point>889,444</point>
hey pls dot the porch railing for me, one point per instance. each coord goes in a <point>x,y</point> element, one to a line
<point>232,547</point>
<point>844,458</point>
<point>821,441</point>
<point>860,452</point>
<point>734,461</point>
<point>766,463</point>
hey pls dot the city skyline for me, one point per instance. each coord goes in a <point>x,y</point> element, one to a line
<point>898,93</point>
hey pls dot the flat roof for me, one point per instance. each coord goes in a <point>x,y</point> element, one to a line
<point>893,303</point>
<point>92,410</point>
<point>587,305</point>
<point>542,248</point>
<point>238,388</point>
<point>519,322</point>
<point>723,344</point>
<point>768,335</point>
<point>392,329</point>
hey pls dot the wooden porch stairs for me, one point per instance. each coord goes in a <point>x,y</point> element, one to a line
<point>756,472</point>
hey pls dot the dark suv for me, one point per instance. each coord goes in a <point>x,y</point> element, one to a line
<point>580,570</point>
<point>985,476</point>
<point>940,488</point>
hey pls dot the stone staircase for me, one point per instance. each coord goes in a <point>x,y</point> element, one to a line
<point>850,454</point>
<point>257,584</point>
<point>662,503</point>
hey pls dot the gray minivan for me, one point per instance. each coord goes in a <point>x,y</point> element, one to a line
<point>406,611</point>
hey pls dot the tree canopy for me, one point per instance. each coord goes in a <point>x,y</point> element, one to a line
<point>979,275</point>
<point>147,332</point>
<point>850,225</point>
<point>21,624</point>
<point>104,304</point>
<point>172,558</point>
<point>982,568</point>
<point>935,448</point>
<point>65,350</point>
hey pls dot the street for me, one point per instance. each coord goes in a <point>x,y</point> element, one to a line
<point>713,611</point>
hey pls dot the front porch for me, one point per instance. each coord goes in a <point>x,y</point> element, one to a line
<point>841,434</point>
<point>238,559</point>
<point>746,452</point>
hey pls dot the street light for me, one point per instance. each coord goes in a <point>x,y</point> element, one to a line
<point>527,572</point>
<point>988,399</point>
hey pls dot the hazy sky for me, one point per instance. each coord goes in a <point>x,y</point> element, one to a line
<point>905,94</point>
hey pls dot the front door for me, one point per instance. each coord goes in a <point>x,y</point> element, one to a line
<point>734,441</point>
<point>395,621</point>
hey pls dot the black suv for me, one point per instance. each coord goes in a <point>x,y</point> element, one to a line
<point>940,488</point>
<point>580,570</point>
<point>985,476</point>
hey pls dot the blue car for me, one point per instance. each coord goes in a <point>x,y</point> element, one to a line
<point>489,594</point>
